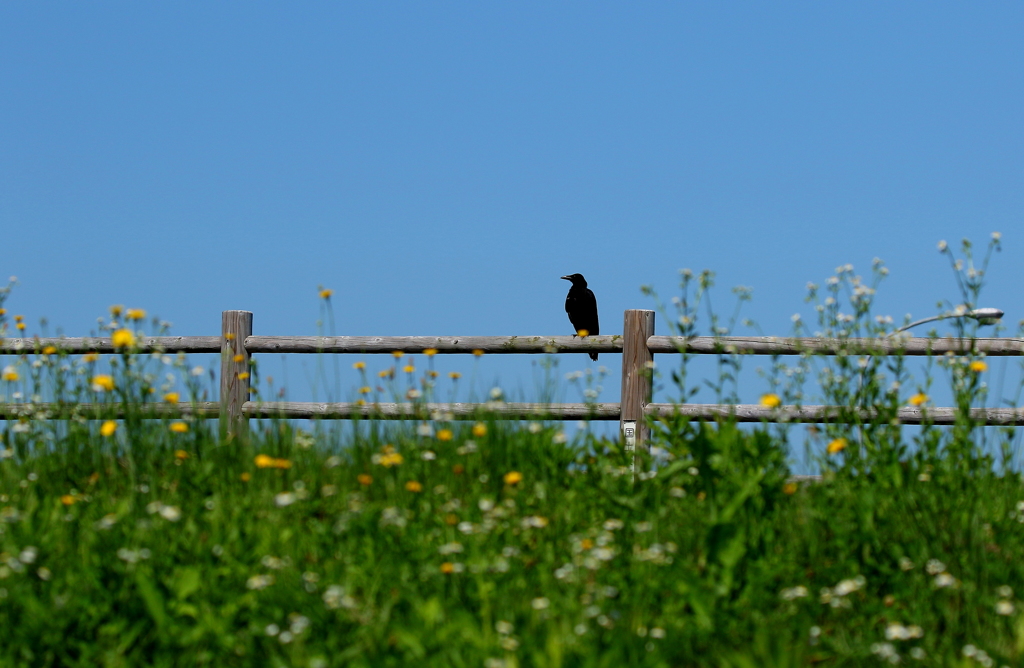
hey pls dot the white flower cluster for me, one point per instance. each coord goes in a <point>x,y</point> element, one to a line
<point>837,596</point>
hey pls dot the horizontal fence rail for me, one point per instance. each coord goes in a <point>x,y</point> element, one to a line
<point>88,344</point>
<point>821,414</point>
<point>452,411</point>
<point>513,410</point>
<point>109,411</point>
<point>637,344</point>
<point>370,345</point>
<point>770,345</point>
<point>490,345</point>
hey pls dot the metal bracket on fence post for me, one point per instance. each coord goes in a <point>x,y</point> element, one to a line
<point>236,326</point>
<point>637,376</point>
<point>629,434</point>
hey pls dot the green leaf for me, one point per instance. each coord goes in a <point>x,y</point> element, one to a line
<point>185,582</point>
<point>152,598</point>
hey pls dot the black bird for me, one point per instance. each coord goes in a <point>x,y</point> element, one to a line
<point>581,305</point>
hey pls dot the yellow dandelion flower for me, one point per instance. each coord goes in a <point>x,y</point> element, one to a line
<point>245,476</point>
<point>479,430</point>
<point>789,488</point>
<point>413,486</point>
<point>513,478</point>
<point>432,373</point>
<point>135,314</point>
<point>10,374</point>
<point>583,332</point>
<point>430,352</point>
<point>454,375</point>
<point>919,399</point>
<point>447,568</point>
<point>229,336</point>
<point>770,400</point>
<point>326,293</point>
<point>108,428</point>
<point>179,427</point>
<point>239,357</point>
<point>243,375</point>
<point>478,352</point>
<point>90,357</point>
<point>365,480</point>
<point>172,397</point>
<point>116,310</point>
<point>181,455</point>
<point>20,326</point>
<point>3,311</point>
<point>263,461</point>
<point>360,402</point>
<point>359,365</point>
<point>102,383</point>
<point>408,368</point>
<point>444,434</point>
<point>587,544</point>
<point>391,459</point>
<point>387,373</point>
<point>978,366</point>
<point>68,499</point>
<point>398,354</point>
<point>838,445</point>
<point>49,350</point>
<point>123,338</point>
<point>365,389</point>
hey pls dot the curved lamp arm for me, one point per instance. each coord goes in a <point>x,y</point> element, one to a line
<point>984,316</point>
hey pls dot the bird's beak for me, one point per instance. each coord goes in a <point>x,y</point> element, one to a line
<point>568,278</point>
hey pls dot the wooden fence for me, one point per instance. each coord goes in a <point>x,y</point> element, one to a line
<point>638,345</point>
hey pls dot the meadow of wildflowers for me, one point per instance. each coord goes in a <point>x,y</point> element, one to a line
<point>156,541</point>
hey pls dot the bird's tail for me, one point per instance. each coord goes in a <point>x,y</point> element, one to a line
<point>593,356</point>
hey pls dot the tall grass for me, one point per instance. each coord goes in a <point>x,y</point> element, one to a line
<point>157,542</point>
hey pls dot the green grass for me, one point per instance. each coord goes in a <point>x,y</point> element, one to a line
<point>118,553</point>
<point>487,543</point>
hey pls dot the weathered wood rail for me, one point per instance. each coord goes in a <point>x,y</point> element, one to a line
<point>699,345</point>
<point>468,411</point>
<point>638,345</point>
<point>86,344</point>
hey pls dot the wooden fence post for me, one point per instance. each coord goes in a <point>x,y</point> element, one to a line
<point>235,326</point>
<point>637,363</point>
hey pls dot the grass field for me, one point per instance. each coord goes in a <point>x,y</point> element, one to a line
<point>494,544</point>
<point>482,543</point>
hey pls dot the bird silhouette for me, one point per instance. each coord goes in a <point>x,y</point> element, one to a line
<point>581,306</point>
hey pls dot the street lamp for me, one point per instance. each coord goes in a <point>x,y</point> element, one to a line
<point>984,316</point>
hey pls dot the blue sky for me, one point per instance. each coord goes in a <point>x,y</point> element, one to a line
<point>440,165</point>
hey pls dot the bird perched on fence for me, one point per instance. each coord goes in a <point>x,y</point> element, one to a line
<point>581,305</point>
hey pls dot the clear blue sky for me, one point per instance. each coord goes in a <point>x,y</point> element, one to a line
<point>440,165</point>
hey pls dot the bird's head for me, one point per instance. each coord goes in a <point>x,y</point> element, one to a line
<point>577,279</point>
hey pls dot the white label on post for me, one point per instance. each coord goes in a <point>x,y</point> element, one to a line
<point>629,434</point>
